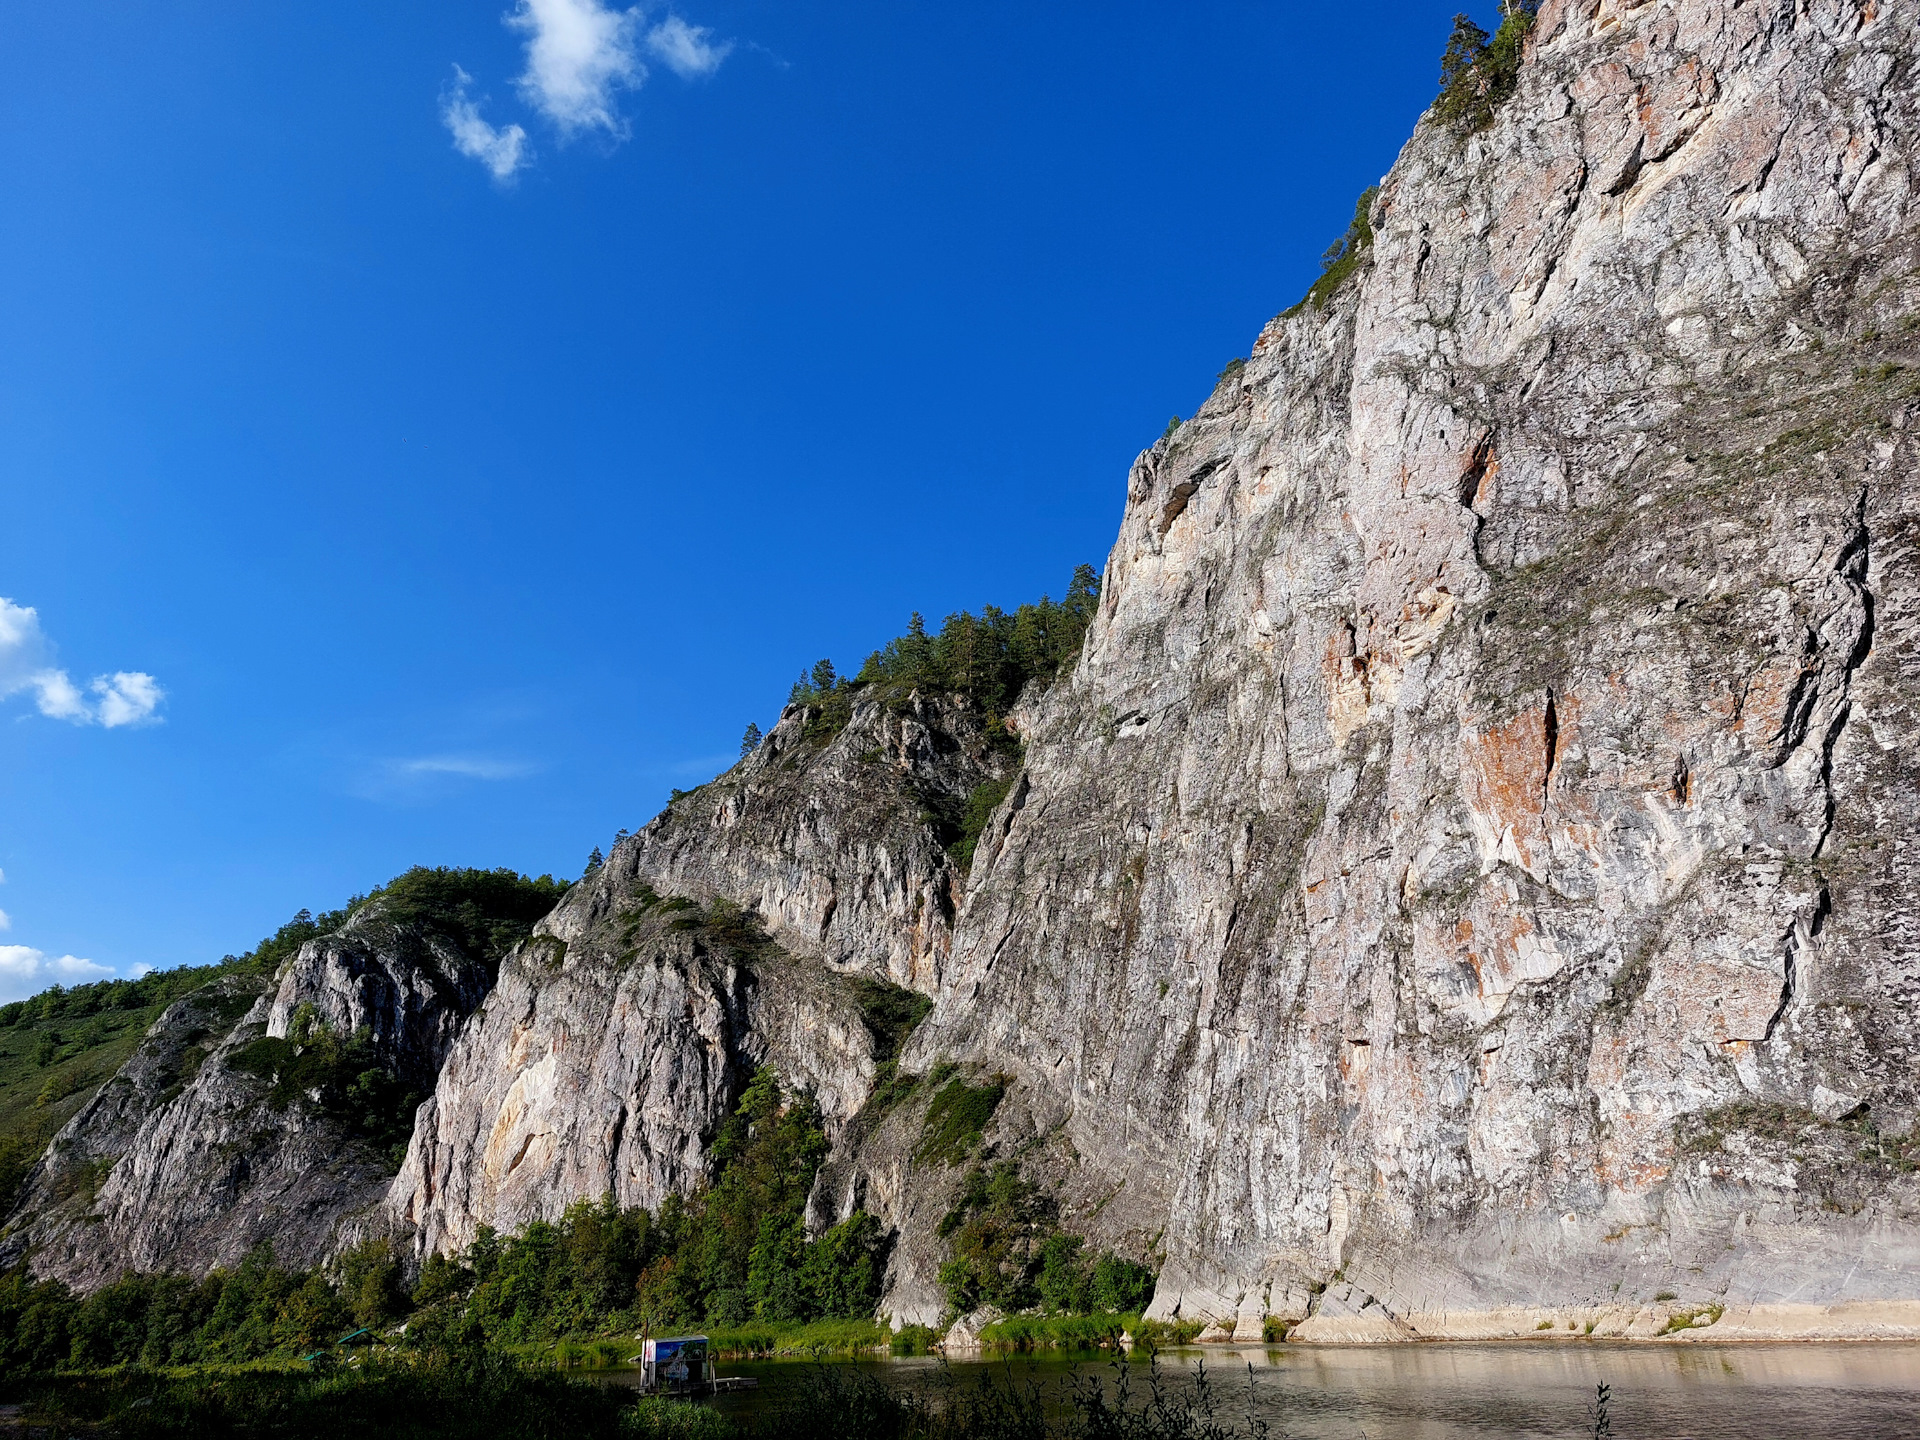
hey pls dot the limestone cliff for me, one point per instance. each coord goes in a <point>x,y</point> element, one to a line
<point>1496,743</point>
<point>1464,885</point>
<point>620,1035</point>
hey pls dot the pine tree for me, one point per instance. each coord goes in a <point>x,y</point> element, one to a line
<point>750,741</point>
<point>594,861</point>
<point>1463,97</point>
<point>823,677</point>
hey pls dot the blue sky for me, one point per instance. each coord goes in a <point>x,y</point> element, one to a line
<point>378,503</point>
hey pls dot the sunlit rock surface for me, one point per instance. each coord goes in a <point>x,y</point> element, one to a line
<point>1466,886</point>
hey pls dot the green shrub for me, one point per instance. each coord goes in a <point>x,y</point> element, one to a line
<point>654,1418</point>
<point>997,1234</point>
<point>1074,1331</point>
<point>375,1398</point>
<point>1478,74</point>
<point>981,804</point>
<point>913,1340</point>
<point>354,1086</point>
<point>1344,255</point>
<point>956,1118</point>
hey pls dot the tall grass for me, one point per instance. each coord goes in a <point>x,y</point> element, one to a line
<point>817,1337</point>
<point>1059,1332</point>
<point>393,1401</point>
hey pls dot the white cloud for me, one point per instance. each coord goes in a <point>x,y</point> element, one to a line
<point>26,971</point>
<point>578,54</point>
<point>126,697</point>
<point>469,766</point>
<point>422,779</point>
<point>6,921</point>
<point>687,50</point>
<point>502,151</point>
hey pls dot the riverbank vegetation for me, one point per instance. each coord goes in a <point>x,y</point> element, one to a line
<point>399,1400</point>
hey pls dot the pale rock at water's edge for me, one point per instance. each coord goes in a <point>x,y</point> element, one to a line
<point>1465,887</point>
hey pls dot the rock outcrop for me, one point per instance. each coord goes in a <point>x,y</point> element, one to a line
<point>1465,887</point>
<point>191,1156</point>
<point>1495,745</point>
<point>621,1034</point>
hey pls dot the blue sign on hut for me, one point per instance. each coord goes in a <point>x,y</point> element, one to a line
<point>675,1365</point>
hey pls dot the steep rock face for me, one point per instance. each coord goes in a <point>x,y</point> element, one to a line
<point>60,1191</point>
<point>186,1160</point>
<point>621,1034</point>
<point>1495,744</point>
<point>837,846</point>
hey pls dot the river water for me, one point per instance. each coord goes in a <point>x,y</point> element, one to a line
<point>1535,1391</point>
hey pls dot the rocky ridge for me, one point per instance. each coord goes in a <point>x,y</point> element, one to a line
<point>1462,889</point>
<point>624,1030</point>
<point>193,1153</point>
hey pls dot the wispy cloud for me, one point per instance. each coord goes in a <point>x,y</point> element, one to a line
<point>6,921</point>
<point>125,697</point>
<point>503,151</point>
<point>580,54</point>
<point>26,971</point>
<point>470,766</point>
<point>687,50</point>
<point>422,778</point>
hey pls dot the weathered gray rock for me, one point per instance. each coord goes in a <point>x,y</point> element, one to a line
<point>604,1065</point>
<point>1496,741</point>
<point>621,1034</point>
<point>184,1162</point>
<point>839,847</point>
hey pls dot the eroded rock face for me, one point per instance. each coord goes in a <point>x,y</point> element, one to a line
<point>839,847</point>
<point>185,1161</point>
<point>622,1033</point>
<point>1496,740</point>
<point>604,1065</point>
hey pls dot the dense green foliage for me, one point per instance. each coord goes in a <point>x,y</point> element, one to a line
<point>981,804</point>
<point>486,1399</point>
<point>487,912</point>
<point>1008,1251</point>
<point>956,1116</point>
<point>989,657</point>
<point>1344,255</point>
<point>1477,73</point>
<point>891,1013</point>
